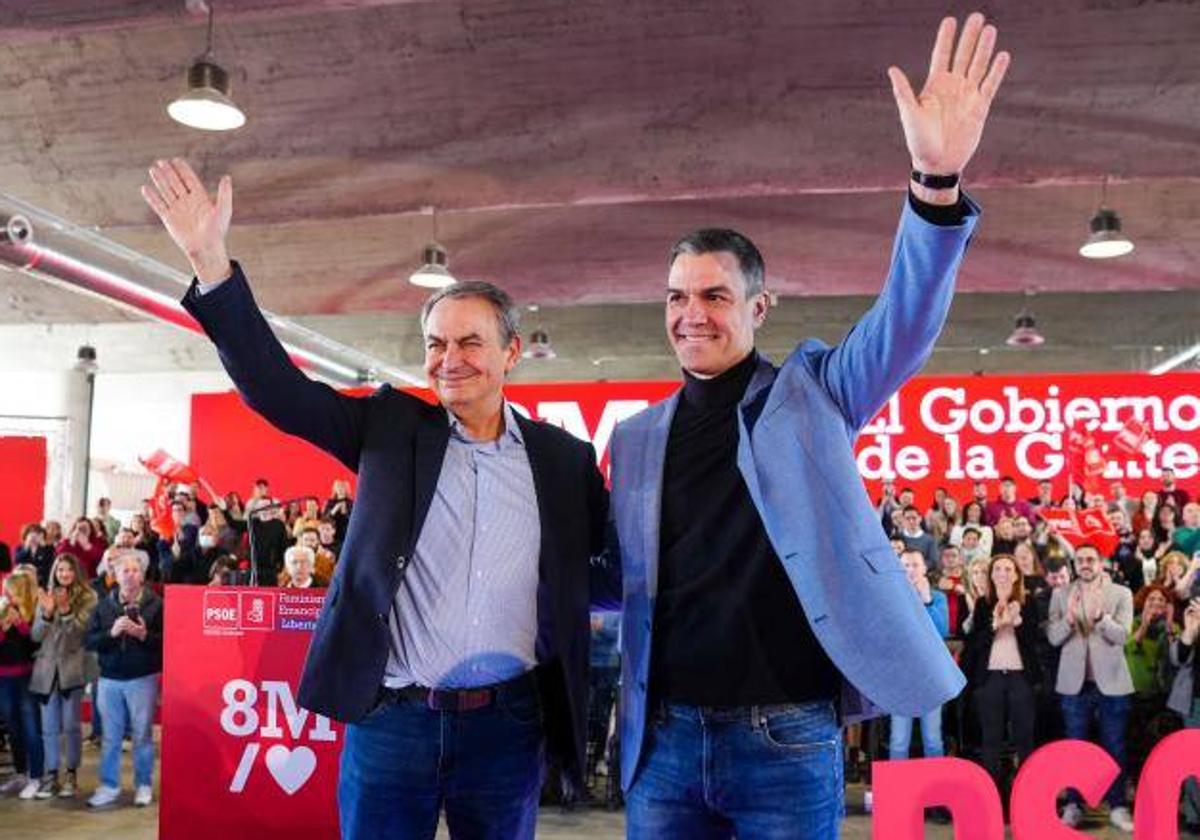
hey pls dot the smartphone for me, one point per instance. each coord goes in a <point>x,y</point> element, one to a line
<point>133,613</point>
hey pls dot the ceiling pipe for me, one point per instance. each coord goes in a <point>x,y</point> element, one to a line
<point>53,250</point>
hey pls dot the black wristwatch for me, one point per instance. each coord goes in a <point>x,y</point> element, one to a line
<point>935,182</point>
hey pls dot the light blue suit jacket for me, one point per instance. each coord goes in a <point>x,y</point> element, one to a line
<point>797,425</point>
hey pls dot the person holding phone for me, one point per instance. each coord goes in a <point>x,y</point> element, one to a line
<point>126,631</point>
<point>61,670</point>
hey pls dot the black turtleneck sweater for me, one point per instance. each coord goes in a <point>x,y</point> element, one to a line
<point>728,627</point>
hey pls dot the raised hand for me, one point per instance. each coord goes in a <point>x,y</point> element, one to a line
<point>943,124</point>
<point>197,224</point>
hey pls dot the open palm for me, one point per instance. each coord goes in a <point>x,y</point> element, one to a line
<point>943,124</point>
<point>196,223</point>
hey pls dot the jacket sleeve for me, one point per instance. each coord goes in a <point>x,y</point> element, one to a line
<point>99,632</point>
<point>40,626</point>
<point>604,573</point>
<point>1058,629</point>
<point>267,379</point>
<point>893,339</point>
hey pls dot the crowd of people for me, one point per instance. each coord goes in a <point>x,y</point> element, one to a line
<point>1056,638</point>
<point>81,616</point>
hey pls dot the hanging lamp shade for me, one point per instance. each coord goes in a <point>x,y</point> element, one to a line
<point>434,273</point>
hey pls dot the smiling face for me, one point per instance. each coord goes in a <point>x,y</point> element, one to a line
<point>710,320</point>
<point>466,360</point>
<point>1004,574</point>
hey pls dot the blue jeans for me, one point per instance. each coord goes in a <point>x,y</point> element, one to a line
<point>1112,716</point>
<point>19,712</point>
<point>127,704</point>
<point>757,772</point>
<point>60,717</point>
<point>404,762</point>
<point>931,735</point>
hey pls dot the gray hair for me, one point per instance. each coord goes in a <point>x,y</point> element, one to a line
<point>508,318</point>
<point>122,555</point>
<point>297,552</point>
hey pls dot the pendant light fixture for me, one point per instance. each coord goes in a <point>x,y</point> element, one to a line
<point>539,346</point>
<point>434,272</point>
<point>1025,332</point>
<point>1106,239</point>
<point>207,105</point>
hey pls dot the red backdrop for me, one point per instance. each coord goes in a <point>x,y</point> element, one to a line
<point>22,489</point>
<point>938,430</point>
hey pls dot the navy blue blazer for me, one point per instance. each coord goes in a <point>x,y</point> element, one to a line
<point>395,443</point>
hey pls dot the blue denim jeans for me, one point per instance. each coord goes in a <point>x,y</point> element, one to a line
<point>757,772</point>
<point>900,739</point>
<point>1112,717</point>
<point>60,719</point>
<point>405,762</point>
<point>127,704</point>
<point>18,710</point>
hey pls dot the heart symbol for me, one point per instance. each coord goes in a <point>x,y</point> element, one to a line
<point>291,768</point>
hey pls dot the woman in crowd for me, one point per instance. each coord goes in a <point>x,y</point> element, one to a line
<point>1166,520</point>
<point>1146,552</point>
<point>972,517</point>
<point>1146,651</point>
<point>1004,539</point>
<point>338,505</point>
<point>62,670</point>
<point>1185,698</point>
<point>1172,570</point>
<point>54,532</point>
<point>941,519</point>
<point>1031,568</point>
<point>309,517</point>
<point>1144,516</point>
<point>85,545</point>
<point>217,537</point>
<point>18,709</point>
<point>144,537</point>
<point>235,512</point>
<point>1002,667</point>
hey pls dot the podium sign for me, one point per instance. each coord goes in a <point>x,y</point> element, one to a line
<point>240,758</point>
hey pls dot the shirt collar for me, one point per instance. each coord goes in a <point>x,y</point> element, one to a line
<point>511,434</point>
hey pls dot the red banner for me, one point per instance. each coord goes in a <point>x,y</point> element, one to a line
<point>24,486</point>
<point>240,759</point>
<point>937,431</point>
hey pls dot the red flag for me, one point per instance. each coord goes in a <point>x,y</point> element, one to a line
<point>169,470</point>
<point>160,504</point>
<point>1087,460</point>
<point>1084,527</point>
<point>1133,436</point>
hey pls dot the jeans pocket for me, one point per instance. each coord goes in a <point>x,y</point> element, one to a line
<point>800,729</point>
<point>523,708</point>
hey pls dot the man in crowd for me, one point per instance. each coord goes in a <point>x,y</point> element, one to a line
<point>760,593</point>
<point>104,514</point>
<point>323,560</point>
<point>1172,493</point>
<point>327,536</point>
<point>971,548</point>
<point>1044,497</point>
<point>917,538</point>
<point>1007,506</point>
<point>1187,536</point>
<point>1119,497</point>
<point>1089,621</point>
<point>126,633</point>
<point>453,640</point>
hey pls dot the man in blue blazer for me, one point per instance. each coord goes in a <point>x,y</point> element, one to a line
<point>763,603</point>
<point>454,637</point>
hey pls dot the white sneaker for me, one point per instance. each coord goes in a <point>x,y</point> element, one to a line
<point>104,796</point>
<point>868,802</point>
<point>30,790</point>
<point>14,784</point>
<point>1121,818</point>
<point>143,796</point>
<point>1072,815</point>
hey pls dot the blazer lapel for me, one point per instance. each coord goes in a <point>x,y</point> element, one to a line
<point>431,440</point>
<point>654,462</point>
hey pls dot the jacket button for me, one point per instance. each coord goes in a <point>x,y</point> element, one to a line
<point>382,618</point>
<point>401,562</point>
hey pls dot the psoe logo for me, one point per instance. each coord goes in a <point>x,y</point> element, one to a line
<point>220,611</point>
<point>257,611</point>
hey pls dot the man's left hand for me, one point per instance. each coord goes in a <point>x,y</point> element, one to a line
<point>942,125</point>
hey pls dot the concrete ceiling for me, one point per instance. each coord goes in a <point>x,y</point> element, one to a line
<point>565,144</point>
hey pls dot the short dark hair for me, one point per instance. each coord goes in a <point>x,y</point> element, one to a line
<point>913,508</point>
<point>309,529</point>
<point>1054,564</point>
<point>974,531</point>
<point>508,318</point>
<point>1008,479</point>
<point>904,490</point>
<point>723,240</point>
<point>262,481</point>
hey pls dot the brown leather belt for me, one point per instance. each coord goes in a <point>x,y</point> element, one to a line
<point>462,699</point>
